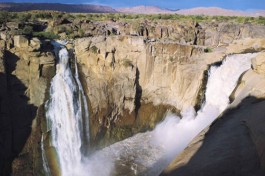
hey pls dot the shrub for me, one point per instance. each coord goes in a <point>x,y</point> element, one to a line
<point>24,17</point>
<point>208,50</point>
<point>94,49</point>
<point>171,59</point>
<point>127,63</point>
<point>261,20</point>
<point>28,30</point>
<point>42,15</point>
<point>81,33</point>
<point>4,15</point>
<point>46,35</point>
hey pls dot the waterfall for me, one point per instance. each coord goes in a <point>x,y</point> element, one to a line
<point>66,115</point>
<point>44,159</point>
<point>176,133</point>
<point>149,153</point>
<point>145,153</point>
<point>84,111</point>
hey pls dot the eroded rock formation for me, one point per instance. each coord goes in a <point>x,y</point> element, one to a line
<point>132,75</point>
<point>25,78</point>
<point>235,137</point>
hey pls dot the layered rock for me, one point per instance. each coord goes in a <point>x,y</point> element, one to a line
<point>211,34</point>
<point>234,143</point>
<point>25,79</point>
<point>132,75</point>
<point>122,74</point>
<point>111,70</point>
<point>259,63</point>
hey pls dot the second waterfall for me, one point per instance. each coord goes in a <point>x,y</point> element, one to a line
<point>67,115</point>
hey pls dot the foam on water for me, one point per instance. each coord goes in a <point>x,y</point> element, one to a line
<point>149,153</point>
<point>145,153</point>
<point>65,116</point>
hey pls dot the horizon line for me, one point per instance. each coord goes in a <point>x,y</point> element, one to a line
<point>245,10</point>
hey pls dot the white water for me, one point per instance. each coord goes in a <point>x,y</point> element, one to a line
<point>44,159</point>
<point>65,115</point>
<point>149,153</point>
<point>143,154</point>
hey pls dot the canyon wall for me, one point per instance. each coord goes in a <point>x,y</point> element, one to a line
<point>132,74</point>
<point>129,70</point>
<point>27,67</point>
<point>234,143</point>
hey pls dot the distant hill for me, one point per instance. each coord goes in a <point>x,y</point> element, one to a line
<point>89,8</point>
<point>144,10</point>
<point>213,11</point>
<point>74,8</point>
<point>259,13</point>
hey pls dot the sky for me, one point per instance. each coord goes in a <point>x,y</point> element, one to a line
<point>169,4</point>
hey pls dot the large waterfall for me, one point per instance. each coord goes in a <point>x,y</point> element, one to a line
<point>67,115</point>
<point>145,153</point>
<point>149,153</point>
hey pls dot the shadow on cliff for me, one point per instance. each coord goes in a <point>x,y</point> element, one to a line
<point>16,115</point>
<point>138,93</point>
<point>230,147</point>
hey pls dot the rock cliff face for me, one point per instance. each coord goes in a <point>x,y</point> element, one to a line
<point>123,73</point>
<point>113,70</point>
<point>213,151</point>
<point>211,34</point>
<point>233,145</point>
<point>132,75</point>
<point>26,71</point>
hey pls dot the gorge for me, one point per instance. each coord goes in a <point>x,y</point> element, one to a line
<point>127,101</point>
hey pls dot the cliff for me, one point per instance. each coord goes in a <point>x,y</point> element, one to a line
<point>128,72</point>
<point>235,137</point>
<point>26,70</point>
<point>132,74</point>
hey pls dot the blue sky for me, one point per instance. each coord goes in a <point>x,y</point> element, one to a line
<point>171,4</point>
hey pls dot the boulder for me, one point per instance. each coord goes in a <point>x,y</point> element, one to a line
<point>47,58</point>
<point>3,35</point>
<point>21,41</point>
<point>35,43</point>
<point>13,25</point>
<point>2,45</point>
<point>232,145</point>
<point>258,63</point>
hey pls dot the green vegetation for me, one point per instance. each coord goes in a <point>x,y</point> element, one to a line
<point>198,18</point>
<point>68,25</point>
<point>208,50</point>
<point>171,59</point>
<point>127,63</point>
<point>49,15</point>
<point>4,17</point>
<point>46,35</point>
<point>27,30</point>
<point>94,49</point>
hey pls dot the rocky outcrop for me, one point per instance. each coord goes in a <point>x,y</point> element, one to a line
<point>234,143</point>
<point>122,74</point>
<point>211,34</point>
<point>132,75</point>
<point>25,79</point>
<point>111,71</point>
<point>259,63</point>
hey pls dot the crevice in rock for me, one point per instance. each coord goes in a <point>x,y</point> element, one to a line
<point>201,94</point>
<point>138,93</point>
<point>17,119</point>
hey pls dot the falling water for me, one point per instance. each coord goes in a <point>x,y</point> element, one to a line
<point>149,153</point>
<point>145,153</point>
<point>65,115</point>
<point>44,159</point>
